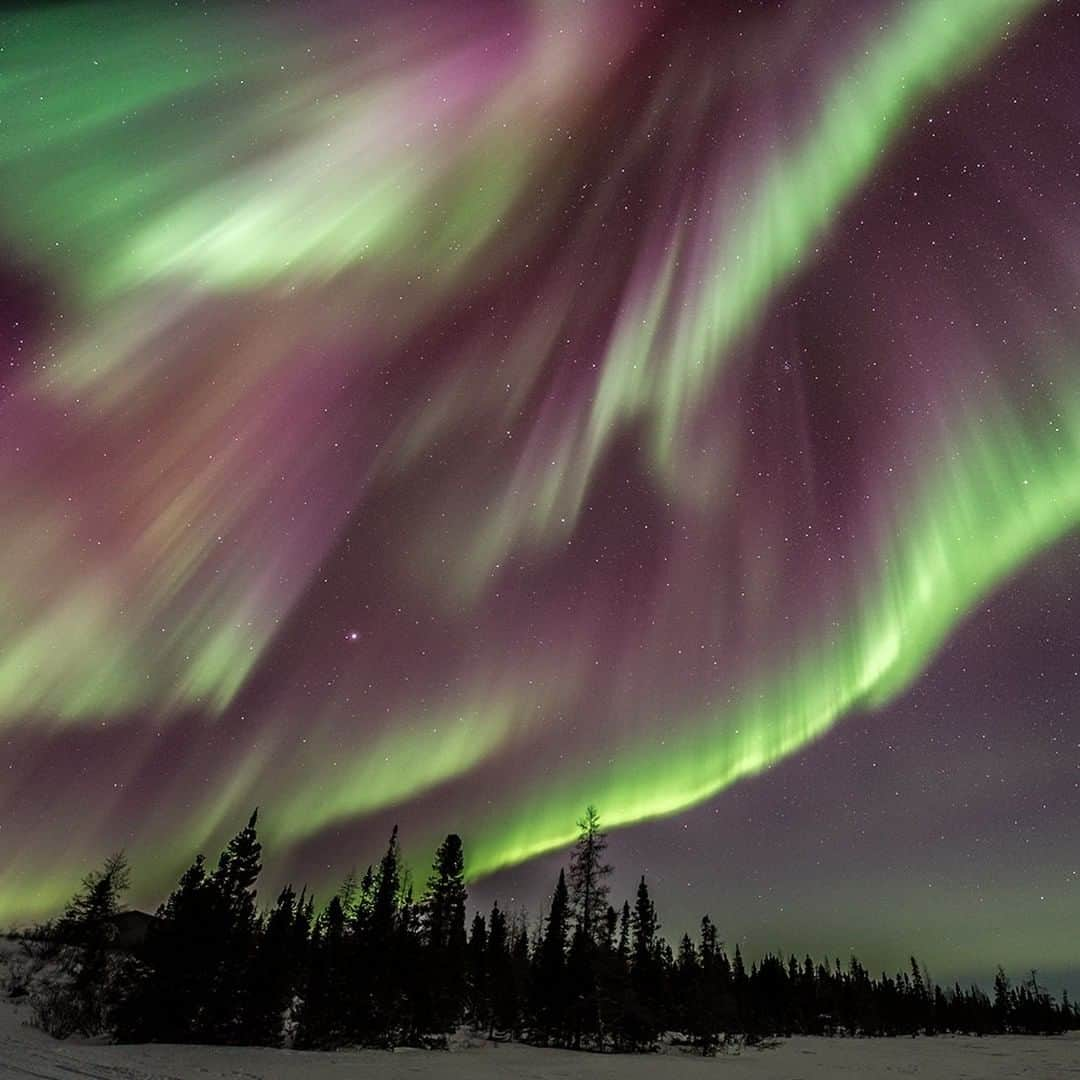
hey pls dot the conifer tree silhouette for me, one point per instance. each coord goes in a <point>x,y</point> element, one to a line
<point>444,928</point>
<point>589,874</point>
<point>549,968</point>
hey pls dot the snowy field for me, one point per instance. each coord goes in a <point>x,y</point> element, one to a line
<point>27,1052</point>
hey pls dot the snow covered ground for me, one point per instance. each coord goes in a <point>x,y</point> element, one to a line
<point>27,1052</point>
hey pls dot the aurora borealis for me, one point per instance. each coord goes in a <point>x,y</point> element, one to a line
<point>452,415</point>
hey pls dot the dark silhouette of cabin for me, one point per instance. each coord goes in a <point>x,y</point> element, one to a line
<point>131,929</point>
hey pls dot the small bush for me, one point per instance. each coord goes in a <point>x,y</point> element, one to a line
<point>57,1010</point>
<point>17,978</point>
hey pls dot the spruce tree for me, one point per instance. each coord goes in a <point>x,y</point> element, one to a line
<point>96,976</point>
<point>646,971</point>
<point>624,933</point>
<point>88,919</point>
<point>273,973</point>
<point>477,975</point>
<point>238,870</point>
<point>583,1013</point>
<point>413,1021</point>
<point>502,997</point>
<point>706,1013</point>
<point>233,927</point>
<point>388,885</point>
<point>608,928</point>
<point>740,984</point>
<point>380,1016</point>
<point>444,926</point>
<point>1002,1005</point>
<point>520,974</point>
<point>323,1019</point>
<point>645,926</point>
<point>549,1010</point>
<point>589,873</point>
<point>180,961</point>
<point>686,990</point>
<point>359,951</point>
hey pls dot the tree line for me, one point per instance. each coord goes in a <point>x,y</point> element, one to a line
<point>380,966</point>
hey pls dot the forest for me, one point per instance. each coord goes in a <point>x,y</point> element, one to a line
<point>379,966</point>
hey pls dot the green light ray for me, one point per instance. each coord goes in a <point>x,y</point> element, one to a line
<point>1001,492</point>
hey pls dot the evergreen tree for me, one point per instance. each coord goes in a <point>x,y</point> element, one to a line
<point>414,1020</point>
<point>611,981</point>
<point>87,999</point>
<point>583,1005</point>
<point>589,873</point>
<point>549,981</point>
<point>323,1019</point>
<point>502,1004</point>
<point>1067,1017</point>
<point>198,952</point>
<point>379,1017</point>
<point>88,919</point>
<point>645,926</point>
<point>706,1012</point>
<point>686,990</point>
<point>624,933</point>
<point>274,971</point>
<point>387,894</point>
<point>181,957</point>
<point>444,921</point>
<point>646,1019</point>
<point>520,974</point>
<point>233,925</point>
<point>238,870</point>
<point>1002,1006</point>
<point>608,928</point>
<point>477,975</point>
<point>348,893</point>
<point>921,999</point>
<point>301,929</point>
<point>363,905</point>
<point>740,987</point>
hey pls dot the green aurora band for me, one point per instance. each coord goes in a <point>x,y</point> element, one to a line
<point>999,496</point>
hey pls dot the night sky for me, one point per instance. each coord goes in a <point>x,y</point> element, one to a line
<point>451,415</point>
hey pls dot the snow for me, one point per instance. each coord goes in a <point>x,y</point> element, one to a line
<point>27,1052</point>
